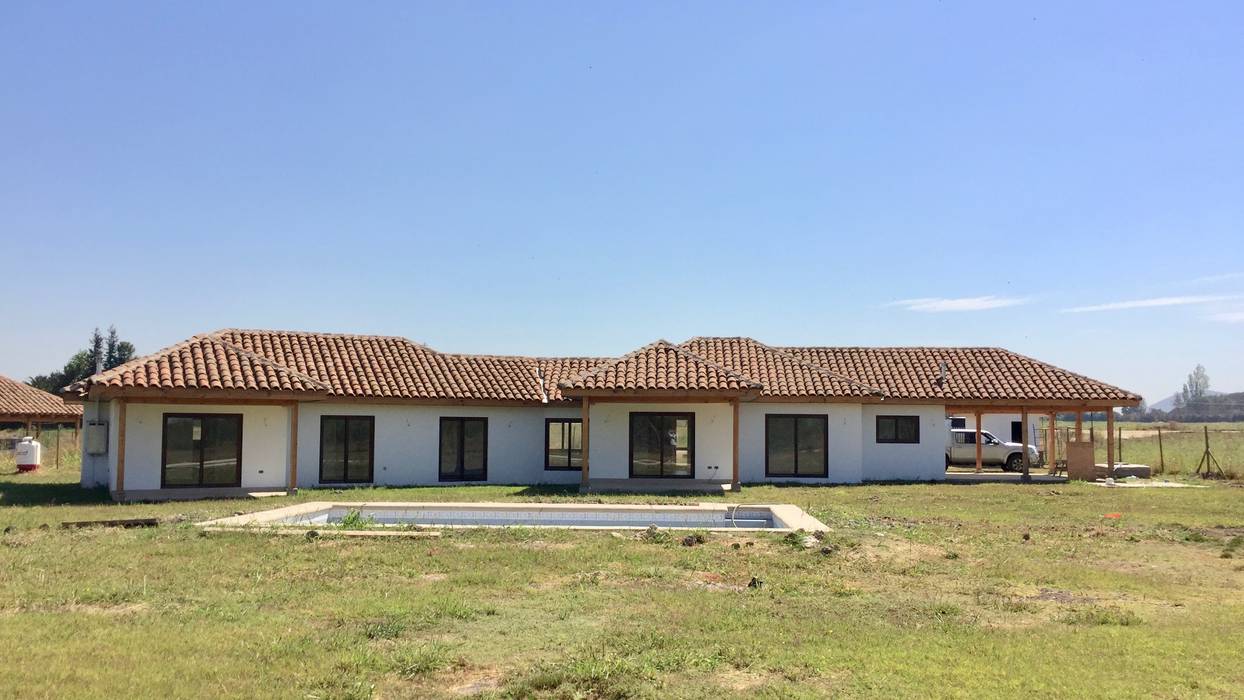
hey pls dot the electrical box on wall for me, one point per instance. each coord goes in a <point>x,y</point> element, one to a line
<point>95,437</point>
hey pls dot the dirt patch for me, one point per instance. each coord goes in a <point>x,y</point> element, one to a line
<point>1055,595</point>
<point>894,552</point>
<point>475,682</point>
<point>711,581</point>
<point>432,578</point>
<point>740,681</point>
<point>117,610</point>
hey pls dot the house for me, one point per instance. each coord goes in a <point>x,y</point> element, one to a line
<point>251,410</point>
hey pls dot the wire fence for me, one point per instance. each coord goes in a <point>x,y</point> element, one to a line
<point>1167,450</point>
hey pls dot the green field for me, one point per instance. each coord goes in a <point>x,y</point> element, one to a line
<point>929,590</point>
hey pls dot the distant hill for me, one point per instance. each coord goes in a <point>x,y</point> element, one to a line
<point>1168,403</point>
<point>1221,407</point>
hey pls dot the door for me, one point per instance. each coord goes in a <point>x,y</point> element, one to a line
<point>1017,431</point>
<point>662,445</point>
<point>963,448</point>
<point>201,450</point>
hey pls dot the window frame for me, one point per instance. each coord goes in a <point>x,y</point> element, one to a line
<point>371,450</point>
<point>237,481</point>
<point>896,440</point>
<point>440,439</point>
<point>820,417</point>
<point>565,445</point>
<point>630,444</point>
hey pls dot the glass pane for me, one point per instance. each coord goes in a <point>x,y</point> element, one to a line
<point>646,439</point>
<point>451,433</point>
<point>556,445</point>
<point>576,459</point>
<point>332,449</point>
<point>576,435</point>
<point>474,448</point>
<point>181,451</point>
<point>678,442</point>
<point>885,429</point>
<point>811,458</point>
<point>907,429</point>
<point>358,466</point>
<point>222,436</point>
<point>781,442</point>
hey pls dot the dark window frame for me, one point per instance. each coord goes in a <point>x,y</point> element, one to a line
<point>565,445</point>
<point>958,422</point>
<point>237,481</point>
<point>824,420</point>
<point>345,468</point>
<point>896,440</point>
<point>440,437</point>
<point>630,444</point>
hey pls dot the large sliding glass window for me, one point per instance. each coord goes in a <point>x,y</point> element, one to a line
<point>563,444</point>
<point>796,445</point>
<point>201,449</point>
<point>662,445</point>
<point>347,444</point>
<point>464,449</point>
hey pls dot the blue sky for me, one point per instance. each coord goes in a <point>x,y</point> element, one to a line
<point>583,178</point>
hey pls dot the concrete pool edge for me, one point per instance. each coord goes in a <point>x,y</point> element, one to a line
<point>786,517</point>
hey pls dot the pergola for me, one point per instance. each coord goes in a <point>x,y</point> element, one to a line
<point>1076,448</point>
<point>34,408</point>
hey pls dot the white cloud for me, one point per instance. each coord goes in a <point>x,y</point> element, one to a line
<point>1209,279</point>
<point>1149,303</point>
<point>1227,317</point>
<point>938,305</point>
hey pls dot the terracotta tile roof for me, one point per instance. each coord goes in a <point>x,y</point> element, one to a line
<point>660,366</point>
<point>18,399</point>
<point>204,362</point>
<point>781,373</point>
<point>972,374</point>
<point>319,365</point>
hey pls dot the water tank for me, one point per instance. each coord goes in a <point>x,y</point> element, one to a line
<point>29,454</point>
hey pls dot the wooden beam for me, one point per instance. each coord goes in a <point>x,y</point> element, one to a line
<point>586,416</point>
<point>1051,445</point>
<point>1079,426</point>
<point>1110,442</point>
<point>293,446</point>
<point>120,445</point>
<point>978,442</point>
<point>734,481</point>
<point>1023,419</point>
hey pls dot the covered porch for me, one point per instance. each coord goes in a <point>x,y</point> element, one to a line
<point>1076,458</point>
<point>660,419</point>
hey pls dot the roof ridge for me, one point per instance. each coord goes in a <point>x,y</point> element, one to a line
<point>270,363</point>
<point>364,336</point>
<point>660,342</point>
<point>829,373</point>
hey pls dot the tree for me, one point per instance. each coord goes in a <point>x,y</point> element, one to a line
<point>100,354</point>
<point>1196,387</point>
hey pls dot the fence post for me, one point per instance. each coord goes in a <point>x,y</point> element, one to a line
<point>1121,446</point>
<point>1161,454</point>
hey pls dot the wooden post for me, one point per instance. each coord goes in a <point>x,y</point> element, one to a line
<point>1161,454</point>
<point>734,482</point>
<point>1079,426</point>
<point>978,442</point>
<point>1121,460</point>
<point>77,425</point>
<point>586,408</point>
<point>58,446</point>
<point>1051,446</point>
<point>120,446</point>
<point>293,447</point>
<point>1109,441</point>
<point>1023,417</point>
<point>27,429</point>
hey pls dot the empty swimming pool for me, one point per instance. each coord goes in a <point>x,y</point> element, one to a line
<point>702,516</point>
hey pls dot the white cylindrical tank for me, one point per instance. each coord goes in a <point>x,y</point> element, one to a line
<point>29,454</point>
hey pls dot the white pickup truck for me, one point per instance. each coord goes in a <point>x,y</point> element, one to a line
<point>1009,455</point>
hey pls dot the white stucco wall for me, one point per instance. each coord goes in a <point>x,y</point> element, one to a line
<point>407,448</point>
<point>609,438</point>
<point>99,470</point>
<point>265,443</point>
<point>923,461</point>
<point>844,438</point>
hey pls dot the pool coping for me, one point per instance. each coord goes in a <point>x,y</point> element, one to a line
<point>792,517</point>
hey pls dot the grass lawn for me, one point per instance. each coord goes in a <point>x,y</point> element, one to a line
<point>929,590</point>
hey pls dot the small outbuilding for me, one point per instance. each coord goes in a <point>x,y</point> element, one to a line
<point>33,408</point>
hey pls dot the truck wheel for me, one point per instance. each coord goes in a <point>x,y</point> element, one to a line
<point>1014,463</point>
